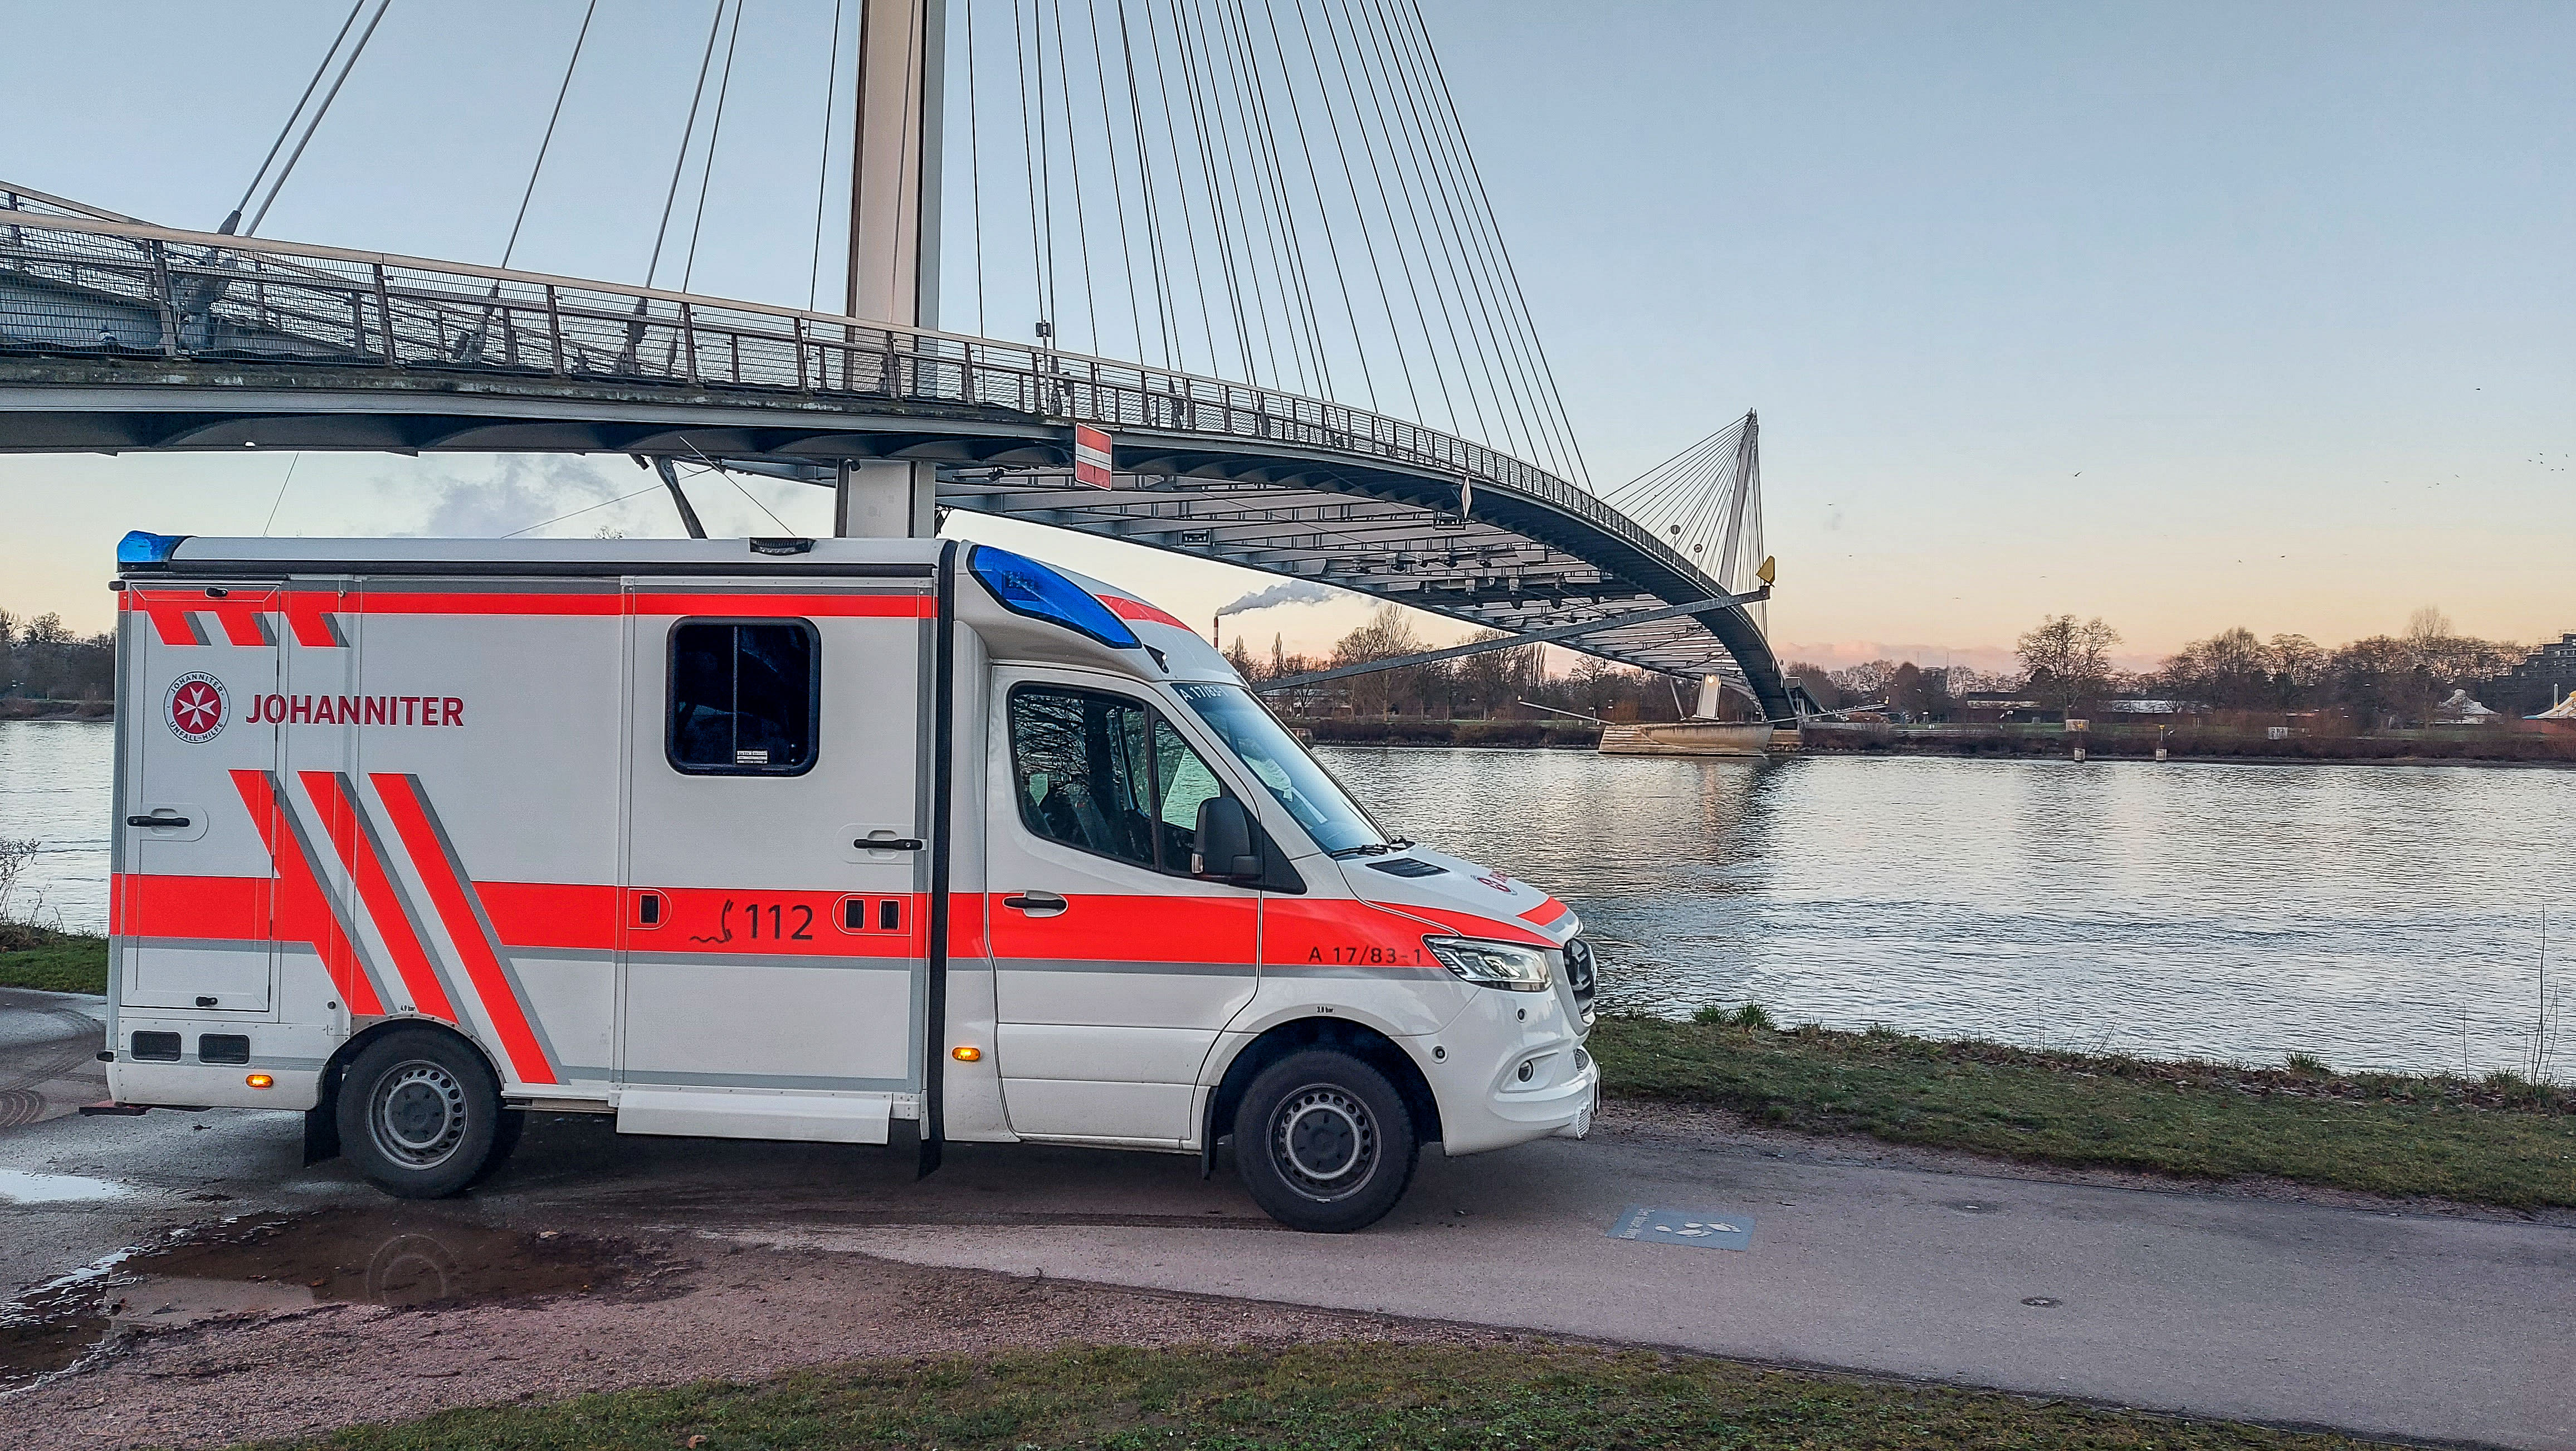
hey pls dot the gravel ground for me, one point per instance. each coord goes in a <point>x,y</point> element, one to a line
<point>305,1374</point>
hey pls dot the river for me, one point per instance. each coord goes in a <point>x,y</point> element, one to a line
<point>2378,917</point>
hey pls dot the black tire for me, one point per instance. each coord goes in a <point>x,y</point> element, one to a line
<point>1324,1143</point>
<point>505,1142</point>
<point>420,1114</point>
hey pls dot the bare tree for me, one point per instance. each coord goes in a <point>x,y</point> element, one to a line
<point>2069,661</point>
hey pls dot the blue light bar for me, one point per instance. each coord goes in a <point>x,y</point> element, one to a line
<point>139,547</point>
<point>1026,587</point>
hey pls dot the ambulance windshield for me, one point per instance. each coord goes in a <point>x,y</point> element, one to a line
<point>1295,778</point>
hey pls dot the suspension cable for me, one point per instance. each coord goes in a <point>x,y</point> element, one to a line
<point>974,164</point>
<point>1263,128</point>
<point>1073,163</point>
<point>319,112</point>
<point>688,132</point>
<point>234,220</point>
<point>1386,205</point>
<point>1447,182</point>
<point>1359,214</point>
<point>823,167</point>
<point>1315,186</point>
<point>547,144</point>
<point>715,134</point>
<point>1117,189</point>
<point>1423,235</point>
<point>1180,186</point>
<point>1163,304</point>
<point>1520,298</point>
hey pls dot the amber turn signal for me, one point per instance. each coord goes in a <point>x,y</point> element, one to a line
<point>967,1055</point>
<point>259,1080</point>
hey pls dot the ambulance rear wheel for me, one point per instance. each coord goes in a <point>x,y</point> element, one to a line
<point>1324,1143</point>
<point>420,1114</point>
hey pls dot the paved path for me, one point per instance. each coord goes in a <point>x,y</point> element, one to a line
<point>49,1046</point>
<point>2411,1325</point>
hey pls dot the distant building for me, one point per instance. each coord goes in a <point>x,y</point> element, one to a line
<point>2001,707</point>
<point>2541,681</point>
<point>2460,710</point>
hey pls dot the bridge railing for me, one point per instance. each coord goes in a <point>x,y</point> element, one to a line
<point>81,286</point>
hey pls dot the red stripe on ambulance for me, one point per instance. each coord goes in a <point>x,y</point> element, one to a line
<point>1127,609</point>
<point>448,888</point>
<point>1546,912</point>
<point>304,912</point>
<point>375,887</point>
<point>218,909</point>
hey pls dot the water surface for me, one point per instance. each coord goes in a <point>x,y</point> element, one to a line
<point>2380,917</point>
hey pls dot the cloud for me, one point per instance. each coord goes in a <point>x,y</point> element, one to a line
<point>1294,592</point>
<point>520,490</point>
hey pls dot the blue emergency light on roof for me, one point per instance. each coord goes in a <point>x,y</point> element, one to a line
<point>139,547</point>
<point>1026,587</point>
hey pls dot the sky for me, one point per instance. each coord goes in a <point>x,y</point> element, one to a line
<point>2186,316</point>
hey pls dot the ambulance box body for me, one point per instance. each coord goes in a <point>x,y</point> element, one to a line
<point>783,839</point>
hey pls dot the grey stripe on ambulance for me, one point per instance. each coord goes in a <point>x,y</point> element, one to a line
<point>773,959</point>
<point>1158,969</point>
<point>330,899</point>
<point>694,1079</point>
<point>483,924</point>
<point>1335,969</point>
<point>402,895</point>
<point>213,944</point>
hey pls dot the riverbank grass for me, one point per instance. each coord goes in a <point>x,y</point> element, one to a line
<point>2490,1141</point>
<point>1310,1398</point>
<point>50,961</point>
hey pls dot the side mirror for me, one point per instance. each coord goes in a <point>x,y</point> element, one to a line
<point>1226,851</point>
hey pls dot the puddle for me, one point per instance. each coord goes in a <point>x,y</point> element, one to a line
<point>281,1264</point>
<point>19,1187</point>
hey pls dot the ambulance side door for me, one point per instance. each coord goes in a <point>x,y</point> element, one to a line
<point>1114,969</point>
<point>774,938</point>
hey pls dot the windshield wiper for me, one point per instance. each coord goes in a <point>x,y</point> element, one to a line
<point>1374,848</point>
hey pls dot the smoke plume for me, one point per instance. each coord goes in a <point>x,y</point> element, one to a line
<point>1294,592</point>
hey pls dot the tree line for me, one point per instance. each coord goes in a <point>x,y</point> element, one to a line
<point>1495,684</point>
<point>42,659</point>
<point>2380,682</point>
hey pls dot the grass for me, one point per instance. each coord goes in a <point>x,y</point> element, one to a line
<point>2498,1140</point>
<point>1310,1398</point>
<point>54,962</point>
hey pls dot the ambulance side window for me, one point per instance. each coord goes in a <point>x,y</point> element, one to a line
<point>743,697</point>
<point>1107,775</point>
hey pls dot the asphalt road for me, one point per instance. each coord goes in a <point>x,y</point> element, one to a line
<point>2411,1325</point>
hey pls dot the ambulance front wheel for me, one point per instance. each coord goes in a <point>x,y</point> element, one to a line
<point>420,1114</point>
<point>1324,1143</point>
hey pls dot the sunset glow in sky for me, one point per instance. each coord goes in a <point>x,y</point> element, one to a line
<point>2186,316</point>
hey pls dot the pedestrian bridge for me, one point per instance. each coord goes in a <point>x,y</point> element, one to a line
<point>117,336</point>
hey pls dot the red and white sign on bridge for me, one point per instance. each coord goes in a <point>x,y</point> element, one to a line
<point>1091,457</point>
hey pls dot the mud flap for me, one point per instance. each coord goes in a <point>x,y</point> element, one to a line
<point>321,1132</point>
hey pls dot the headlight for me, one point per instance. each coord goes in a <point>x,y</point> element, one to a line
<point>1495,964</point>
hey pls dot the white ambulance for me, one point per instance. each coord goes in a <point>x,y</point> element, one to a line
<point>783,839</point>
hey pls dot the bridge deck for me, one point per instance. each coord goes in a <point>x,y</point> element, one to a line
<point>118,337</point>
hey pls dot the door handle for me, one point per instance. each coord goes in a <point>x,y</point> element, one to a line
<point>887,843</point>
<point>156,821</point>
<point>1036,904</point>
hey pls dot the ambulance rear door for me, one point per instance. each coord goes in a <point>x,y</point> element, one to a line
<point>195,884</point>
<point>776,953</point>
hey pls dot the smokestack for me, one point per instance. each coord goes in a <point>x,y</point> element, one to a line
<point>1216,633</point>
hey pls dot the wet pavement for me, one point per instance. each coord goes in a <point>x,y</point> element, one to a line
<point>410,1257</point>
<point>49,1046</point>
<point>2412,1324</point>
